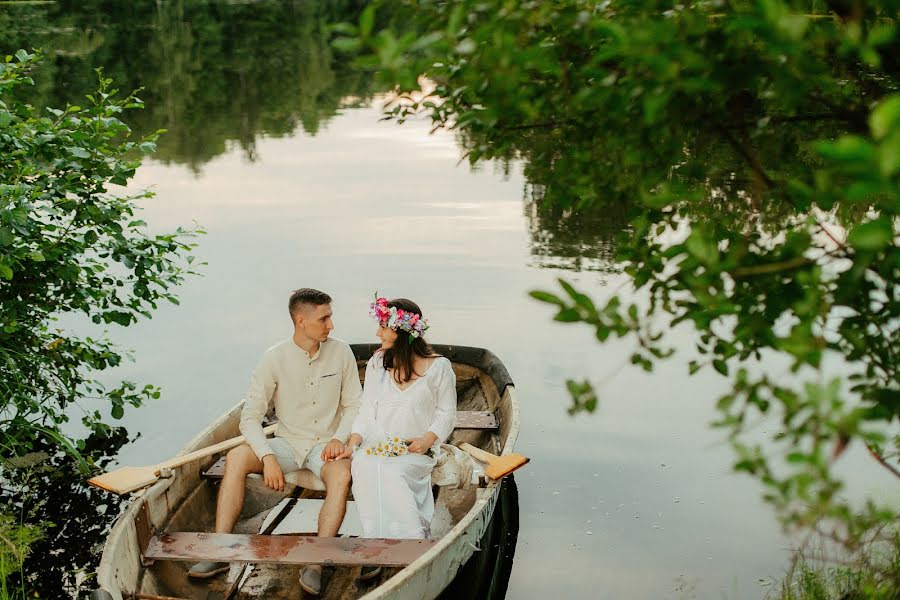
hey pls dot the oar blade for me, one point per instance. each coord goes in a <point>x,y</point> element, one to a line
<point>504,465</point>
<point>125,479</point>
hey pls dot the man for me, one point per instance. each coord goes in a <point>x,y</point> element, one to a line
<point>314,385</point>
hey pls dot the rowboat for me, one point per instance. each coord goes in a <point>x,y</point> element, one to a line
<point>164,528</point>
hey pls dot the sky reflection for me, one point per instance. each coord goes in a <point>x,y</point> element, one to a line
<point>636,501</point>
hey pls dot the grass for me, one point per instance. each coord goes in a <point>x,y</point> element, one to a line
<point>874,576</point>
<point>15,542</point>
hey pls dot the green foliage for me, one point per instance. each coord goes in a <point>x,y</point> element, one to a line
<point>754,146</point>
<point>16,540</point>
<point>45,487</point>
<point>71,244</point>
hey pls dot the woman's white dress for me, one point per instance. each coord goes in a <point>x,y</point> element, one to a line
<point>393,494</point>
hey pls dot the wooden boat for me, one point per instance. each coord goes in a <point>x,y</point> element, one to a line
<point>159,534</point>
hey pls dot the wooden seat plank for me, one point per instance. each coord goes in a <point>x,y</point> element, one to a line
<point>285,549</point>
<point>476,419</point>
<point>465,419</point>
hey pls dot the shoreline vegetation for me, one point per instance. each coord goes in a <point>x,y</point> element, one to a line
<point>762,137</point>
<point>68,244</point>
<point>755,148</point>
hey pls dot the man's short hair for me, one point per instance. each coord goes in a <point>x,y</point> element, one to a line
<point>307,297</point>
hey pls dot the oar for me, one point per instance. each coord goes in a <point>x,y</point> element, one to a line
<point>497,466</point>
<point>128,479</point>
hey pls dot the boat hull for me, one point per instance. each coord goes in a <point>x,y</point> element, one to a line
<point>171,504</point>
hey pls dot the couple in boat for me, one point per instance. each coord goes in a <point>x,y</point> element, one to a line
<point>381,440</point>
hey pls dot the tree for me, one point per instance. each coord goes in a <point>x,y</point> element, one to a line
<point>754,145</point>
<point>71,244</point>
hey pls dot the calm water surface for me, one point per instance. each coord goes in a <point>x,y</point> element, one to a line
<point>310,189</point>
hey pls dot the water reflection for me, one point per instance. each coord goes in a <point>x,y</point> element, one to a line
<point>565,238</point>
<point>213,74</point>
<point>41,489</point>
<point>220,76</point>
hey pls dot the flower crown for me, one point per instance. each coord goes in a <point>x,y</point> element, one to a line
<point>394,318</point>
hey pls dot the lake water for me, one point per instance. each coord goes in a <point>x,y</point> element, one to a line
<point>310,189</point>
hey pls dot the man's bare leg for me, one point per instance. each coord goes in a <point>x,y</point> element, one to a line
<point>336,477</point>
<point>239,463</point>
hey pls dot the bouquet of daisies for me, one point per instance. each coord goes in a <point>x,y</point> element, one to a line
<point>390,446</point>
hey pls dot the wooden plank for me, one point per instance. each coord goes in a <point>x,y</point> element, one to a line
<point>465,419</point>
<point>285,549</point>
<point>217,470</point>
<point>476,419</point>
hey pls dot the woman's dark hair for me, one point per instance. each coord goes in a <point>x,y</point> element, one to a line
<point>400,356</point>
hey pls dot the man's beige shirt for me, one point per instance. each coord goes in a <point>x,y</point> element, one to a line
<point>316,397</point>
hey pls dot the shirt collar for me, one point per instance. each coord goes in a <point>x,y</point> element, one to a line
<point>310,357</point>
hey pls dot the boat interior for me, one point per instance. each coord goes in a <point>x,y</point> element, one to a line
<point>275,534</point>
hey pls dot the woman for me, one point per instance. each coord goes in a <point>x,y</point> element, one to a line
<point>408,409</point>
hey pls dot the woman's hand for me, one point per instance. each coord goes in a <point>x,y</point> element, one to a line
<point>421,445</point>
<point>354,441</point>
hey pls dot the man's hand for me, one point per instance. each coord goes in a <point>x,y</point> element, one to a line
<point>272,473</point>
<point>354,442</point>
<point>333,450</point>
<point>421,445</point>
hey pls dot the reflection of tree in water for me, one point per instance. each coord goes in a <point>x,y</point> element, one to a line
<point>44,489</point>
<point>566,238</point>
<point>213,74</point>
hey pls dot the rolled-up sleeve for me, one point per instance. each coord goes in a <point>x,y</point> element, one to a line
<point>351,390</point>
<point>445,414</point>
<point>256,404</point>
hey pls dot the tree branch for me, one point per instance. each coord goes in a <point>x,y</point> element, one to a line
<point>786,265</point>
<point>882,461</point>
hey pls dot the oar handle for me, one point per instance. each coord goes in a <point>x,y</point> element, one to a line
<point>478,453</point>
<point>214,449</point>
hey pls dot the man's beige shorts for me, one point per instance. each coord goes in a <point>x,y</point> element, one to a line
<point>285,456</point>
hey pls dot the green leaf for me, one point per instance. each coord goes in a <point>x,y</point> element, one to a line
<point>78,152</point>
<point>720,366</point>
<point>702,248</point>
<point>885,117</point>
<point>367,21</point>
<point>873,235</point>
<point>847,148</point>
<point>346,44</point>
<point>546,297</point>
<point>568,315</point>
